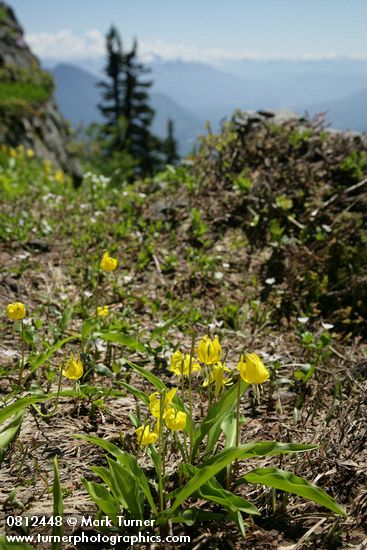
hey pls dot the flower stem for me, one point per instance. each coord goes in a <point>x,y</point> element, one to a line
<point>21,368</point>
<point>190,397</point>
<point>161,459</point>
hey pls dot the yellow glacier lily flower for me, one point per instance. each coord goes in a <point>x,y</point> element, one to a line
<point>155,402</point>
<point>180,365</point>
<point>209,351</point>
<point>252,369</point>
<point>103,311</point>
<point>107,263</point>
<point>175,420</point>
<point>145,436</point>
<point>217,376</point>
<point>73,368</point>
<point>59,176</point>
<point>16,311</point>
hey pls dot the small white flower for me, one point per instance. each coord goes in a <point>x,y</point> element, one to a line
<point>303,320</point>
<point>270,281</point>
<point>327,326</point>
<point>218,275</point>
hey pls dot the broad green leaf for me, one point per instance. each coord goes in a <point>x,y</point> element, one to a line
<point>43,357</point>
<point>213,491</point>
<point>220,461</point>
<point>128,460</point>
<point>103,499</point>
<point>286,481</point>
<point>124,339</point>
<point>132,465</point>
<point>229,427</point>
<point>217,412</point>
<point>88,326</point>
<point>149,376</point>
<point>129,488</point>
<point>58,508</point>
<point>10,431</point>
<point>106,445</point>
<point>140,395</point>
<point>21,404</point>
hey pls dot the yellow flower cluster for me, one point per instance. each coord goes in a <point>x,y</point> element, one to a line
<point>161,408</point>
<point>180,364</point>
<point>14,152</point>
<point>209,352</point>
<point>103,311</point>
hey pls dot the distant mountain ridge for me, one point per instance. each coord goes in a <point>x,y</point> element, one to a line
<point>78,95</point>
<point>193,93</point>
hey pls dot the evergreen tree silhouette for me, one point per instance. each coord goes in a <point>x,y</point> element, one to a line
<point>126,108</point>
<point>170,144</point>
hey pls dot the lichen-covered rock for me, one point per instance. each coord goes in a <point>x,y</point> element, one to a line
<point>28,113</point>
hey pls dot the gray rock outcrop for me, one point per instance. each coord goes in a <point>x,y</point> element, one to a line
<point>28,112</point>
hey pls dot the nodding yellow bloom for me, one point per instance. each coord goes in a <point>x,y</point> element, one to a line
<point>59,176</point>
<point>217,376</point>
<point>103,311</point>
<point>175,420</point>
<point>145,436</point>
<point>180,365</point>
<point>16,311</point>
<point>209,351</point>
<point>155,402</point>
<point>252,369</point>
<point>30,153</point>
<point>73,368</point>
<point>47,166</point>
<point>12,152</point>
<point>107,263</point>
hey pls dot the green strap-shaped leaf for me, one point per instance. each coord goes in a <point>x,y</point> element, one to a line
<point>103,499</point>
<point>21,404</point>
<point>149,376</point>
<point>129,488</point>
<point>217,412</point>
<point>10,431</point>
<point>290,483</point>
<point>124,458</point>
<point>58,507</point>
<point>135,392</point>
<point>124,339</point>
<point>220,461</point>
<point>213,491</point>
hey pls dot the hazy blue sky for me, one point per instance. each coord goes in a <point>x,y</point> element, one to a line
<point>198,29</point>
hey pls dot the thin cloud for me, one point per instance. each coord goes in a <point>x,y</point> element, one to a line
<point>64,45</point>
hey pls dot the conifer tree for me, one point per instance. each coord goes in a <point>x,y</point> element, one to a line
<point>170,144</point>
<point>126,108</point>
<point>113,89</point>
